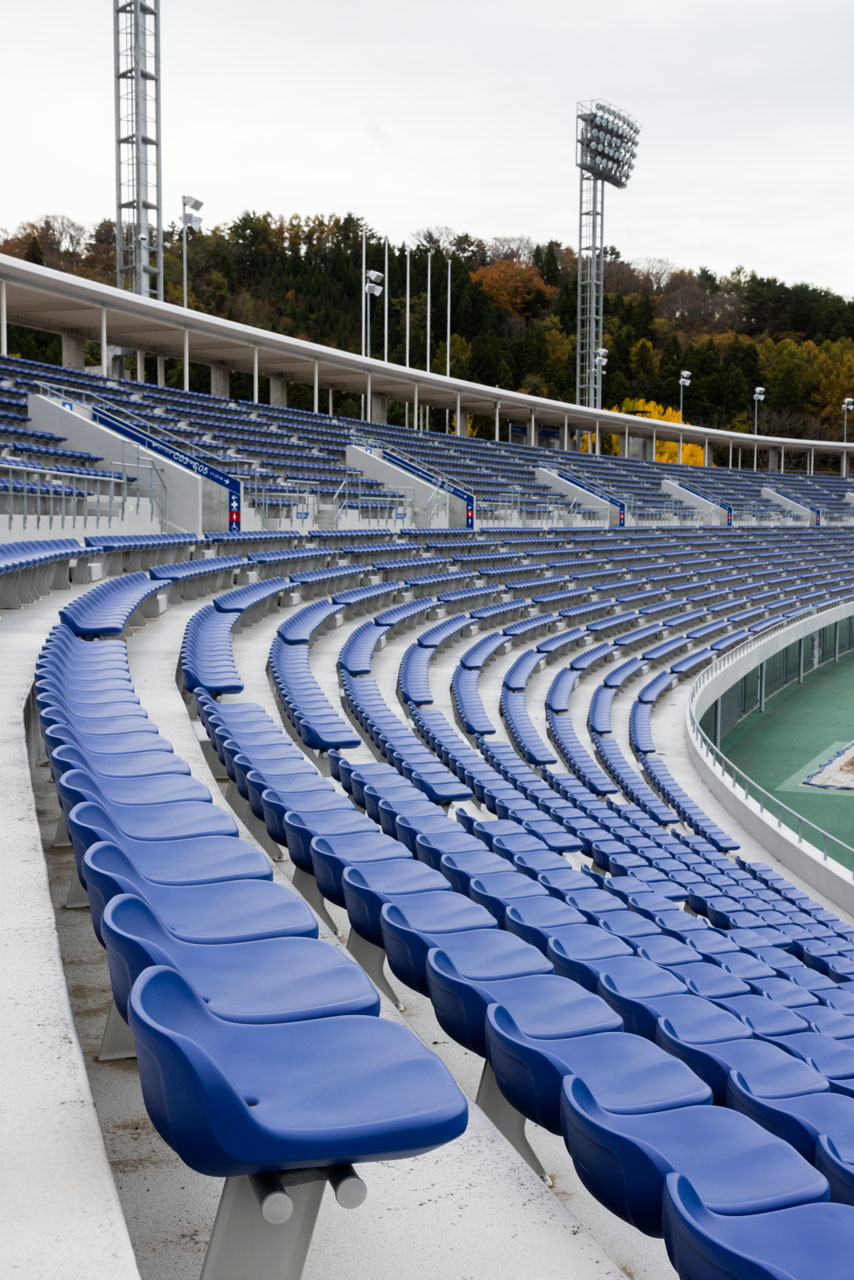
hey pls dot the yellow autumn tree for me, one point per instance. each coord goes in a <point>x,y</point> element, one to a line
<point>665,450</point>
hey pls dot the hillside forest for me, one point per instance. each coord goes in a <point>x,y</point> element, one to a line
<point>513,315</point>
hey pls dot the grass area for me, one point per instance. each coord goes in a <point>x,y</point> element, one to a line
<point>799,730</point>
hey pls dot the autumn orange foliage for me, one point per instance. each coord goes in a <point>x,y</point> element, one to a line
<point>516,288</point>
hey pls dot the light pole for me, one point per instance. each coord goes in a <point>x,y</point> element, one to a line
<point>429,304</point>
<point>600,359</point>
<point>847,404</point>
<point>759,394</point>
<point>385,308</point>
<point>190,207</point>
<point>373,289</point>
<point>684,381</point>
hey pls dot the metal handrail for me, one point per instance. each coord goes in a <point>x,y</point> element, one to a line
<point>752,790</point>
<point>121,409</point>
<point>77,508</point>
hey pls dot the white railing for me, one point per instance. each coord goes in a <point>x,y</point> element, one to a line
<point>769,806</point>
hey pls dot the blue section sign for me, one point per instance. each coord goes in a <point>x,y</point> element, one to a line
<point>427,476</point>
<point>181,459</point>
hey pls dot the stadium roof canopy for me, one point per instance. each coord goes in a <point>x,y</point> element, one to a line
<point>41,298</point>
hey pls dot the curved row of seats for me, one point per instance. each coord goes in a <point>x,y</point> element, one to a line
<point>242,1084</point>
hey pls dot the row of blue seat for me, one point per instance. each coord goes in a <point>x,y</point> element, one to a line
<point>244,1081</point>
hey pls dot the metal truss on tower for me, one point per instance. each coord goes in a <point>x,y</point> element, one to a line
<point>606,144</point>
<point>139,192</point>
<point>591,284</point>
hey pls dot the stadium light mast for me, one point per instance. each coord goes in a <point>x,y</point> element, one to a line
<point>139,188</point>
<point>847,404</point>
<point>606,144</point>
<point>758,395</point>
<point>190,217</point>
<point>373,289</point>
<point>684,381</point>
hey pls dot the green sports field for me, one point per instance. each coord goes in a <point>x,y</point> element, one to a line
<point>800,729</point>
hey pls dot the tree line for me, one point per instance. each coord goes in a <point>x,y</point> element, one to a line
<point>513,314</point>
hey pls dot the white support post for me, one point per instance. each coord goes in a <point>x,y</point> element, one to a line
<point>598,445</point>
<point>408,270</point>
<point>654,443</point>
<point>416,423</point>
<point>755,454</point>
<point>367,400</point>
<point>140,366</point>
<point>429,307</point>
<point>448,329</point>
<point>459,418</point>
<point>317,389</point>
<point>254,375</point>
<point>812,462</point>
<point>161,371</point>
<point>706,452</point>
<point>103,342</point>
<point>186,359</point>
<point>680,448</point>
<point>331,403</point>
<point>497,418</point>
<point>730,455</point>
<point>532,429</point>
<point>385,306</point>
<point>564,434</point>
<point>4,339</point>
<point>782,458</point>
<point>362,289</point>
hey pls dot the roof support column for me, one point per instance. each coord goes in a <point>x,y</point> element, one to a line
<point>843,464</point>
<point>415,409</point>
<point>598,444</point>
<point>680,448</point>
<point>186,359</point>
<point>458,419</point>
<point>254,375</point>
<point>706,452</point>
<point>812,462</point>
<point>730,455</point>
<point>532,429</point>
<point>317,389</point>
<point>331,409</point>
<point>279,391</point>
<point>367,397</point>
<point>564,434</point>
<point>161,371</point>
<point>497,418</point>
<point>220,381</point>
<point>4,341</point>
<point>654,443</point>
<point>103,342</point>
<point>140,366</point>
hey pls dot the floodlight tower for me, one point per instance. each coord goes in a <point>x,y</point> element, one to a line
<point>139,193</point>
<point>606,144</point>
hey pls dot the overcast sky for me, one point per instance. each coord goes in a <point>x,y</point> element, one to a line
<point>462,114</point>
